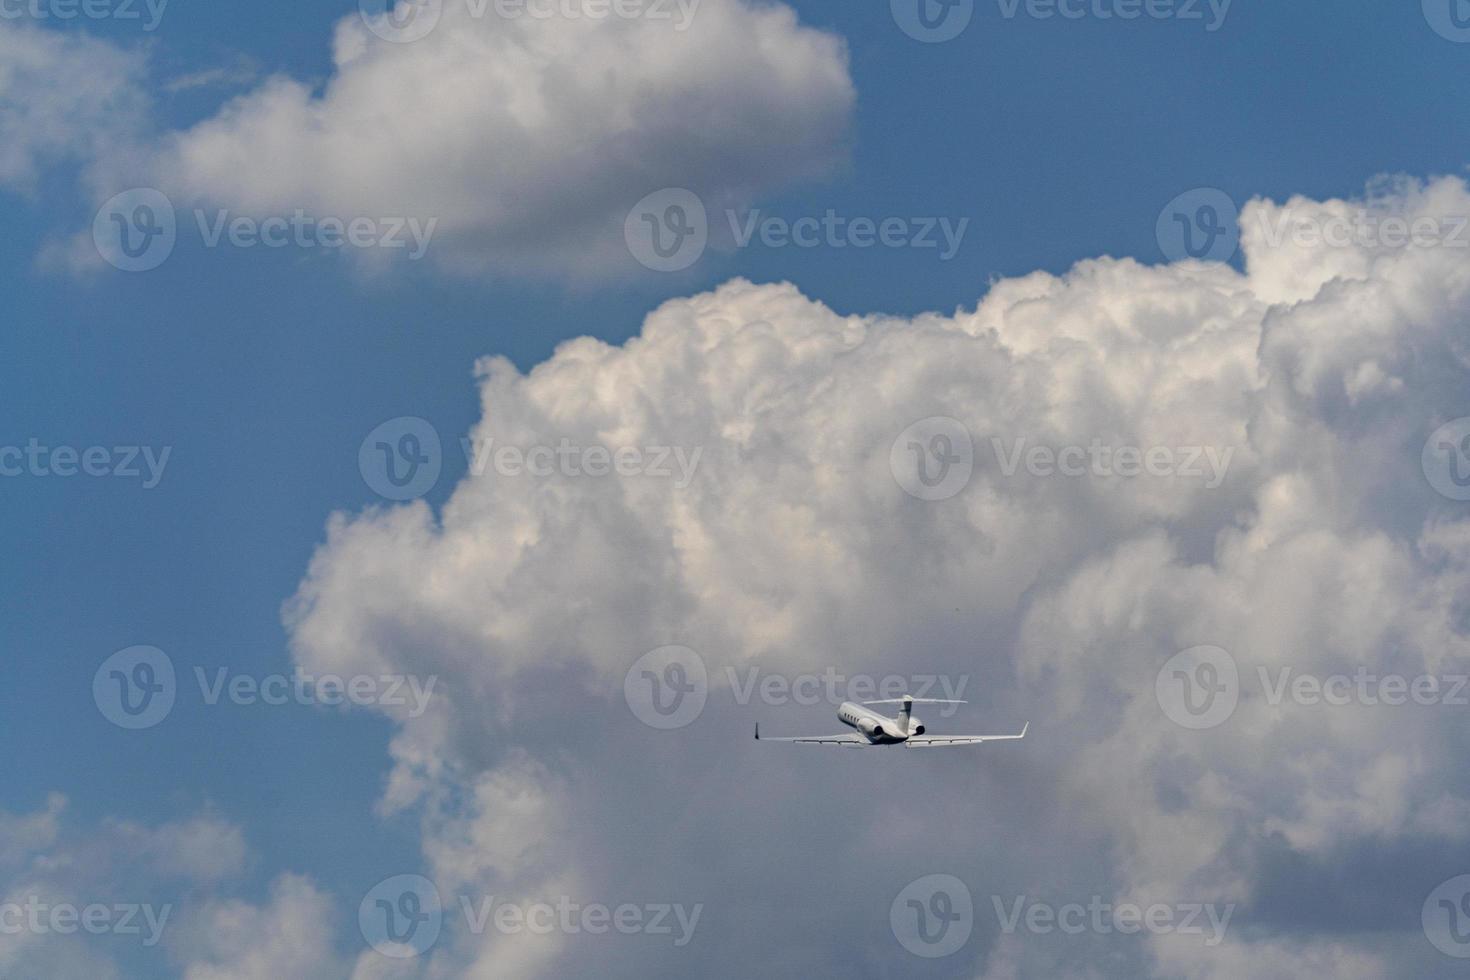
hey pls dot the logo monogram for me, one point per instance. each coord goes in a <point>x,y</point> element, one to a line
<point>401,458</point>
<point>1449,18</point>
<point>667,687</point>
<point>676,220</point>
<point>401,917</point>
<point>928,19</point>
<point>410,450</point>
<point>402,15</point>
<point>676,679</point>
<point>1202,224</point>
<point>1453,912</point>
<point>1445,917</point>
<point>1198,688</point>
<point>1457,456</point>
<point>933,458</point>
<point>1207,678</point>
<point>941,907</point>
<point>146,222</point>
<point>667,230</point>
<point>933,916</point>
<point>145,679</point>
<point>1207,220</point>
<point>932,21</point>
<point>400,21</point>
<point>1446,459</point>
<point>135,231</point>
<point>941,448</point>
<point>410,907</point>
<point>135,688</point>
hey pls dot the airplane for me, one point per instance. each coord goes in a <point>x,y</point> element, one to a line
<point>875,729</point>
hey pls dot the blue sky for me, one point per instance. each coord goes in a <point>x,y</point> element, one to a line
<point>263,370</point>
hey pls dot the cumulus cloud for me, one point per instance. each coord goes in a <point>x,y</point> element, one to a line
<point>204,848</point>
<point>64,98</point>
<point>290,937</point>
<point>517,143</point>
<point>530,138</point>
<point>23,834</point>
<point>81,900</point>
<point>1315,377</point>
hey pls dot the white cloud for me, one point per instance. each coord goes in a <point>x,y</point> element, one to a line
<point>24,834</point>
<point>794,548</point>
<point>524,140</point>
<point>137,877</point>
<point>288,938</point>
<point>530,138</point>
<point>204,848</point>
<point>64,98</point>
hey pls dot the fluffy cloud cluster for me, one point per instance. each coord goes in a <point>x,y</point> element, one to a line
<point>162,901</point>
<point>1322,549</point>
<point>78,901</point>
<point>289,936</point>
<point>63,98</point>
<point>520,141</point>
<point>525,136</point>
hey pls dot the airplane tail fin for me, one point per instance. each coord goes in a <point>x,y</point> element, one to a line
<point>906,707</point>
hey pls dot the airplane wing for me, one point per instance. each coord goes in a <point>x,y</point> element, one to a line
<point>848,739</point>
<point>934,741</point>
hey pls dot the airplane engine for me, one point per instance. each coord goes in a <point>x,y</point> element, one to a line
<point>916,727</point>
<point>870,728</point>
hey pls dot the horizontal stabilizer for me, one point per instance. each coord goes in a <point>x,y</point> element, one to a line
<point>916,701</point>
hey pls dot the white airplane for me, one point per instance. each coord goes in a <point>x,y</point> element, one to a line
<point>875,729</point>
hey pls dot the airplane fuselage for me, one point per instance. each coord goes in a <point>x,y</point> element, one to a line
<point>870,728</point>
<point>879,729</point>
